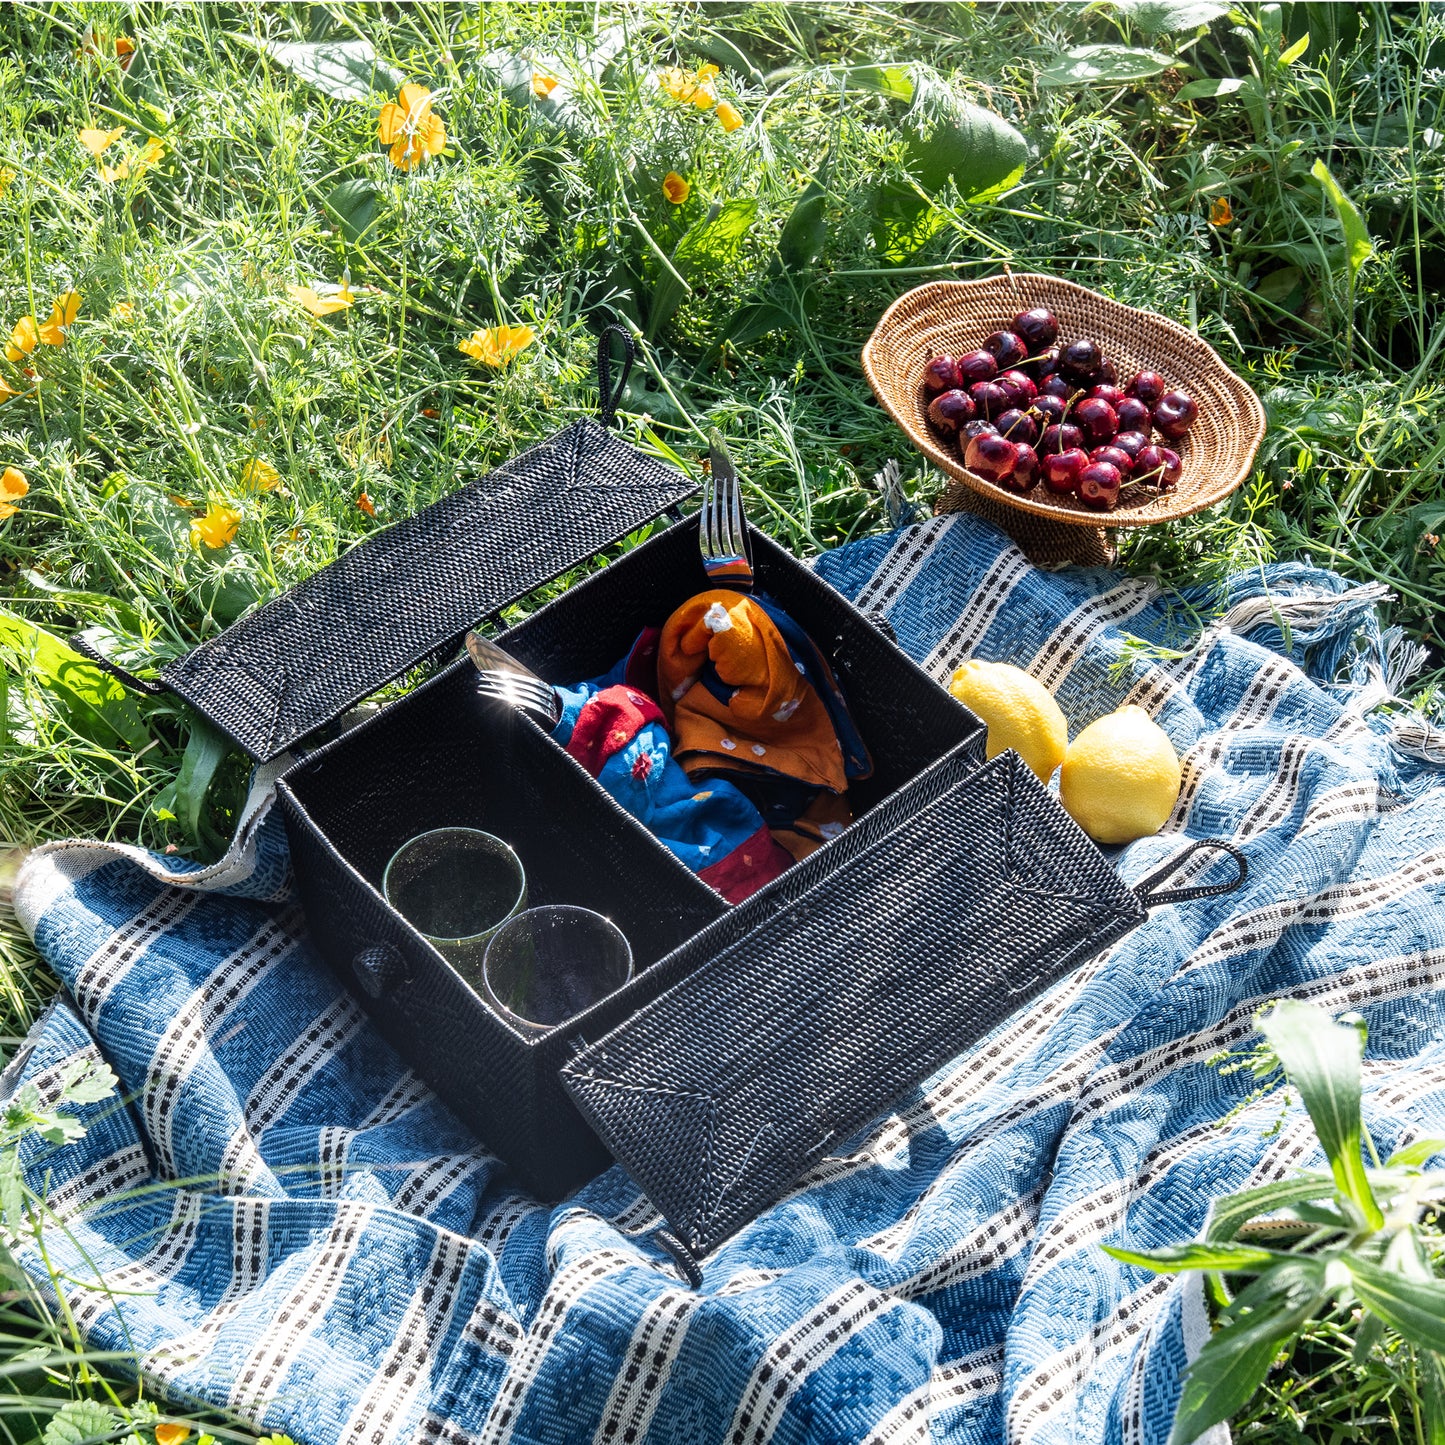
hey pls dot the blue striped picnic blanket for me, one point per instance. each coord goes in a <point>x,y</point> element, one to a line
<point>283,1222</point>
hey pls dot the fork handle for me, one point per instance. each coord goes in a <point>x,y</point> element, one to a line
<point>609,396</point>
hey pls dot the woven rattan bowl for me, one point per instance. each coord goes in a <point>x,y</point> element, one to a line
<point>955,316</point>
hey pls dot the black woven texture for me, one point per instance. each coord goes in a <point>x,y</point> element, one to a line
<point>801,1016</point>
<point>443,756</point>
<point>305,658</point>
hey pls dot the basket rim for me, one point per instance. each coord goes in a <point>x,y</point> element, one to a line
<point>1252,422</point>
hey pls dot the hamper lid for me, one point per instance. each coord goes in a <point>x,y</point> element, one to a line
<point>303,659</point>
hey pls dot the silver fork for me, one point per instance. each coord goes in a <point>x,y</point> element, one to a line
<point>501,676</point>
<point>722,535</point>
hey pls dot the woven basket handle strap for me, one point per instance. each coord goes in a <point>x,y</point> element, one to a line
<point>608,396</point>
<point>78,642</point>
<point>1152,896</point>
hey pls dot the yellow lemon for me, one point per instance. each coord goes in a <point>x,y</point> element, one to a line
<point>1018,710</point>
<point>1120,779</point>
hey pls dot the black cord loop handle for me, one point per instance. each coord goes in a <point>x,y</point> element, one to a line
<point>1151,896</point>
<point>87,649</point>
<point>608,396</point>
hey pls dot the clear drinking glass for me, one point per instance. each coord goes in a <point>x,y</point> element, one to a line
<point>456,887</point>
<point>550,964</point>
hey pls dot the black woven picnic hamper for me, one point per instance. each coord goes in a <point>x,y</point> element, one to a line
<point>752,1040</point>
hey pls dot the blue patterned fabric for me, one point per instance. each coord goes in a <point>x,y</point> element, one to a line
<point>288,1225</point>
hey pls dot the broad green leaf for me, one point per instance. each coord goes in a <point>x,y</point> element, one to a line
<point>1235,1359</point>
<point>87,1081</point>
<point>79,1422</point>
<point>1413,1307</point>
<point>1226,1258</point>
<point>1209,89</point>
<point>1358,245</point>
<point>800,247</point>
<point>1413,1156</point>
<point>950,136</point>
<point>353,205</point>
<point>1322,1060</point>
<point>1432,1395</point>
<point>92,702</point>
<point>1163,17</point>
<point>205,751</point>
<point>756,319</point>
<point>1282,286</point>
<point>1295,51</point>
<point>342,69</point>
<point>1234,1210</point>
<point>891,80</point>
<point>707,247</point>
<point>1104,65</point>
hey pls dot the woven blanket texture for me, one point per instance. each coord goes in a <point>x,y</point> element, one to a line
<point>291,1227</point>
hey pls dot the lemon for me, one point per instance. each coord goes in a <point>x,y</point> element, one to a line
<point>1121,777</point>
<point>1018,710</point>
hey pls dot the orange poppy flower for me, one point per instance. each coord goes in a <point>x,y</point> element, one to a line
<point>24,338</point>
<point>259,475</point>
<point>730,116</point>
<point>495,346</point>
<point>319,305</point>
<point>217,527</point>
<point>99,141</point>
<point>675,188</point>
<point>365,503</point>
<point>1220,212</point>
<point>543,84</point>
<point>172,1432</point>
<point>7,391</point>
<point>62,316</point>
<point>13,486</point>
<point>410,128</point>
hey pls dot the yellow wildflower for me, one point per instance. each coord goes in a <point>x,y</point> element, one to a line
<point>13,486</point>
<point>675,188</point>
<point>98,141</point>
<point>543,84</point>
<point>259,475</point>
<point>62,317</point>
<point>23,339</point>
<point>497,345</point>
<point>410,128</point>
<point>1220,212</point>
<point>217,527</point>
<point>7,391</point>
<point>171,1432</point>
<point>729,115</point>
<point>319,305</point>
<point>7,179</point>
<point>122,311</point>
<point>695,88</point>
<point>137,165</point>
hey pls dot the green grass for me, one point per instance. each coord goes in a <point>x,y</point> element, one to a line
<point>552,215</point>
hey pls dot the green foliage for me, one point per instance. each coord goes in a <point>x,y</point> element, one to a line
<point>1366,1241</point>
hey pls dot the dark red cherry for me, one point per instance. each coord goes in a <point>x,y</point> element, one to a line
<point>1099,485</point>
<point>1108,393</point>
<point>993,457</point>
<point>990,399</point>
<point>1173,469</point>
<point>1079,360</point>
<point>1057,385</point>
<point>1159,467</point>
<point>1018,426</point>
<point>1019,386</point>
<point>1043,365</point>
<point>1117,457</point>
<point>1061,438</point>
<point>1026,469</point>
<point>1131,443</point>
<point>976,366</point>
<point>941,374</point>
<point>1049,409</point>
<point>1148,386</point>
<point>1097,420</point>
<point>1038,327</point>
<point>1175,413</point>
<point>1061,471</point>
<point>1133,415</point>
<point>1007,348</point>
<point>1105,374</point>
<point>978,428</point>
<point>950,410</point>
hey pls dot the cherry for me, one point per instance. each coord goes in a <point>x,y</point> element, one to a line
<point>1173,469</point>
<point>1099,485</point>
<point>1131,443</point>
<point>1026,469</point>
<point>976,366</point>
<point>1159,466</point>
<point>941,374</point>
<point>1080,359</point>
<point>978,428</point>
<point>990,399</point>
<point>993,457</point>
<point>950,410</point>
<point>1175,413</point>
<point>1049,408</point>
<point>1061,471</point>
<point>1006,347</point>
<point>1018,426</point>
<point>1038,327</point>
<point>1057,385</point>
<point>1043,365</point>
<point>1117,457</point>
<point>1148,386</point>
<point>1061,438</point>
<point>1108,393</point>
<point>1019,385</point>
<point>1133,415</point>
<point>1097,420</point>
<point>1105,374</point>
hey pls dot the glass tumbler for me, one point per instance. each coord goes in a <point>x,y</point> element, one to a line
<point>456,887</point>
<point>550,964</point>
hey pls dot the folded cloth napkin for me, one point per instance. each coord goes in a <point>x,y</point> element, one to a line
<point>753,699</point>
